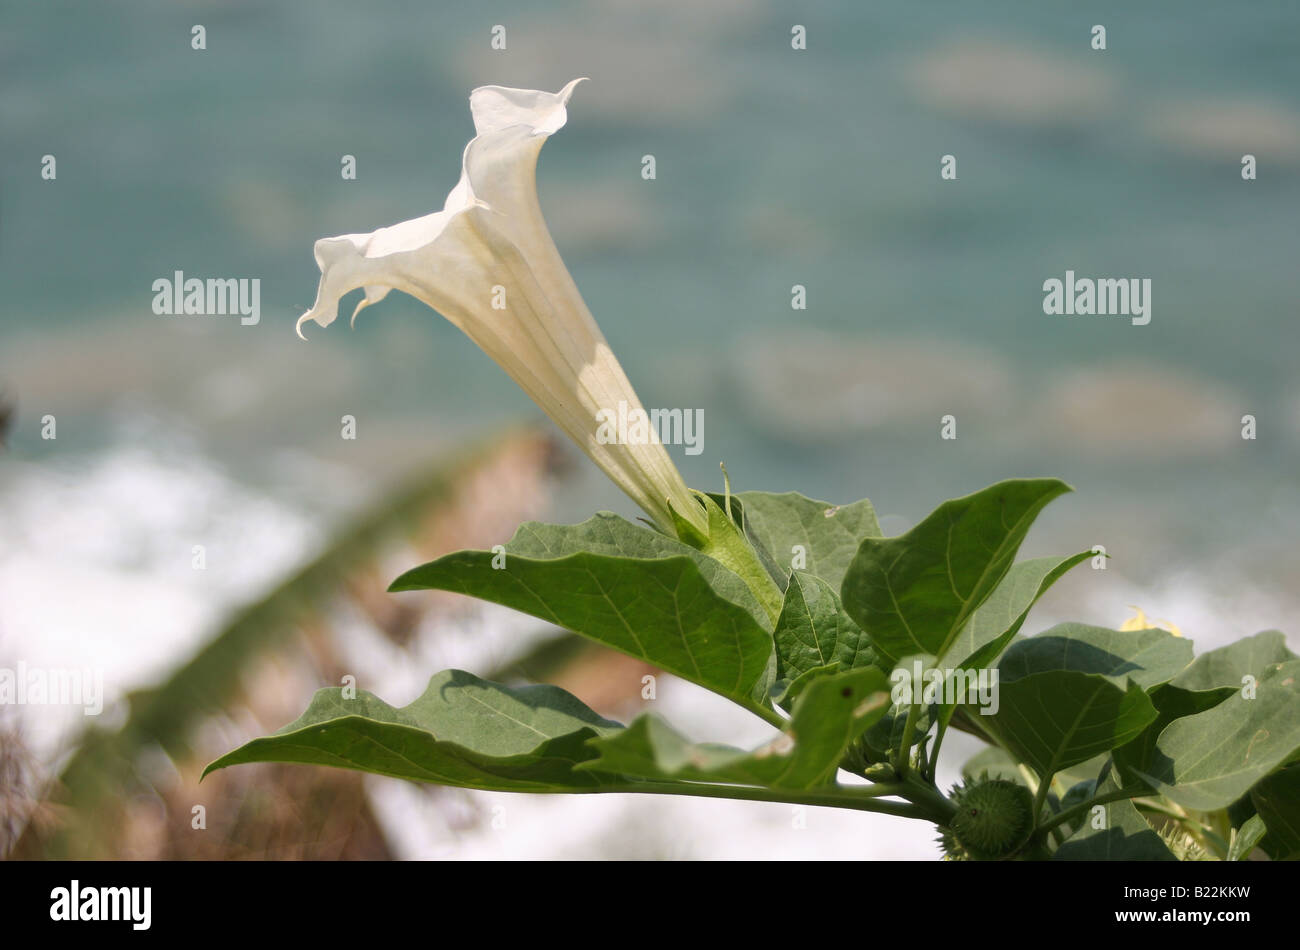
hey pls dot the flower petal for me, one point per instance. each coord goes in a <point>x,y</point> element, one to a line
<point>488,264</point>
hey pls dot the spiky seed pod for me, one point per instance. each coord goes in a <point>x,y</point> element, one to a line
<point>994,818</point>
<point>1182,844</point>
<point>952,849</point>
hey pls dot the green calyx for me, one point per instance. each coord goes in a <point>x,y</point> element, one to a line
<point>993,820</point>
<point>727,545</point>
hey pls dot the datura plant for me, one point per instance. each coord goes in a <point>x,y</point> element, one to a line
<point>860,651</point>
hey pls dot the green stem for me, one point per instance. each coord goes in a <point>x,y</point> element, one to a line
<point>903,762</point>
<point>1152,805</point>
<point>1074,811</point>
<point>1031,780</point>
<point>768,715</point>
<point>933,762</point>
<point>1040,798</point>
<point>926,794</point>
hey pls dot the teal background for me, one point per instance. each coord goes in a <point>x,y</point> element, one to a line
<point>775,167</point>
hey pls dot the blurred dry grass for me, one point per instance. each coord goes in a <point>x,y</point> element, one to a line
<point>20,802</point>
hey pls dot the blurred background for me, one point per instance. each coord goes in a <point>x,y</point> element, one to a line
<point>774,167</point>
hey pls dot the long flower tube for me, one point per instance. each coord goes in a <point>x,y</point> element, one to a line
<point>487,263</point>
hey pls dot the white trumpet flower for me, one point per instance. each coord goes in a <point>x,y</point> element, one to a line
<point>487,263</point>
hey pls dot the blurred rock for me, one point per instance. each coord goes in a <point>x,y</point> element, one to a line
<point>1140,410</point>
<point>1224,131</point>
<point>818,388</point>
<point>1003,81</point>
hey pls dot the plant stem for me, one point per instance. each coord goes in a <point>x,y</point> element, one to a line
<point>768,715</point>
<point>1074,811</point>
<point>903,762</point>
<point>1031,780</point>
<point>926,794</point>
<point>1152,805</point>
<point>933,762</point>
<point>1040,798</point>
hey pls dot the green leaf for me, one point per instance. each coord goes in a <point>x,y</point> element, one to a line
<point>915,593</point>
<point>814,632</point>
<point>1003,614</point>
<point>630,588</point>
<point>1209,760</point>
<point>829,535</point>
<point>828,717</point>
<point>1058,718</point>
<point>1209,680</point>
<point>462,731</point>
<point>1135,759</point>
<point>1248,836</point>
<point>1078,793</point>
<point>1124,836</point>
<point>1277,801</point>
<point>787,691</point>
<point>1147,657</point>
<point>1000,618</point>
<point>1225,667</point>
<point>774,570</point>
<point>1094,770</point>
<point>727,544</point>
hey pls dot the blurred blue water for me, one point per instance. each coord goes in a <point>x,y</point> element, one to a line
<point>775,167</point>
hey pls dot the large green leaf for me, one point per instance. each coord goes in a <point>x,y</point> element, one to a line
<point>627,587</point>
<point>1211,678</point>
<point>1001,616</point>
<point>828,717</point>
<point>814,632</point>
<point>462,731</point>
<point>1277,801</point>
<point>914,593</point>
<point>1147,657</point>
<point>829,535</point>
<point>1124,835</point>
<point>1135,759</point>
<point>1058,718</point>
<point>1141,659</point>
<point>1095,770</point>
<point>1209,760</point>
<point>1225,667</point>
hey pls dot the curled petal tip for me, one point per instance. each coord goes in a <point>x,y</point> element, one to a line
<point>298,327</point>
<point>567,91</point>
<point>352,323</point>
<point>495,108</point>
